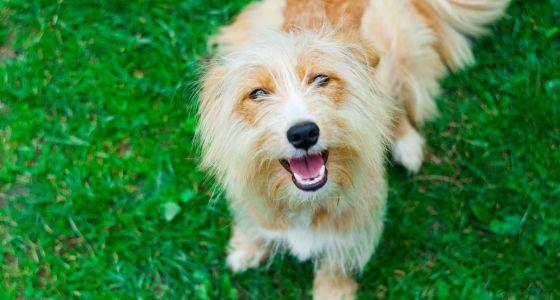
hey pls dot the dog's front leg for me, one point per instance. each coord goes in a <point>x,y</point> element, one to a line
<point>331,284</point>
<point>246,250</point>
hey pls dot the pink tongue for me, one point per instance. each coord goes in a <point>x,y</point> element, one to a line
<point>308,166</point>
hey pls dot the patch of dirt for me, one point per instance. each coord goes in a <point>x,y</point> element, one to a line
<point>6,52</point>
<point>4,110</point>
<point>12,193</point>
<point>6,49</point>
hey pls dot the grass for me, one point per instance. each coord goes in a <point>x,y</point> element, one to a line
<point>100,196</point>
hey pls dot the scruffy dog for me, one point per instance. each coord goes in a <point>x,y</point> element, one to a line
<point>299,107</point>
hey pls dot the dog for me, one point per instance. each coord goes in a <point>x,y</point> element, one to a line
<point>299,107</point>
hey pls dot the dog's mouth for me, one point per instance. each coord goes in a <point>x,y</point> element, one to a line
<point>309,172</point>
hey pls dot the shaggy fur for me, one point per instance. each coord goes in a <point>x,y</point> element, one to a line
<point>383,59</point>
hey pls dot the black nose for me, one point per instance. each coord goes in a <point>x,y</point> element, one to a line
<point>303,135</point>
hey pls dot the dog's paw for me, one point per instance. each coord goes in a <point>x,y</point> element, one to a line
<point>409,151</point>
<point>335,292</point>
<point>245,250</point>
<point>239,260</point>
<point>330,286</point>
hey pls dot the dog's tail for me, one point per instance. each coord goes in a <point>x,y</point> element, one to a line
<point>454,21</point>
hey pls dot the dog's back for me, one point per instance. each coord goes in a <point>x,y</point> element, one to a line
<point>452,21</point>
<point>420,38</point>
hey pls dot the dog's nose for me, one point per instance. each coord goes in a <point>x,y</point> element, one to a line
<point>303,135</point>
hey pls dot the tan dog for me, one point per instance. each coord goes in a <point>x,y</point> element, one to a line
<point>297,112</point>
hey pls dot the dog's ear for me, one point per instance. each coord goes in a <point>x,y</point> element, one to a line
<point>211,95</point>
<point>367,55</point>
<point>211,86</point>
<point>209,110</point>
<point>360,48</point>
<point>371,58</point>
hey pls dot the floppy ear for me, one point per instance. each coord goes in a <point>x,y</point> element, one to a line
<point>210,111</point>
<point>368,56</point>
<point>211,88</point>
<point>366,53</point>
<point>360,48</point>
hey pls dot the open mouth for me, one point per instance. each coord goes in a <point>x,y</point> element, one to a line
<point>309,172</point>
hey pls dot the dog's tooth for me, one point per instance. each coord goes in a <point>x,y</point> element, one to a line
<point>310,181</point>
<point>298,178</point>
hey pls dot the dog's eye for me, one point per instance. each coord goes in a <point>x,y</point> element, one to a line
<point>258,94</point>
<point>321,80</point>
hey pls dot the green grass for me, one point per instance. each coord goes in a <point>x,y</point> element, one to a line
<point>100,196</point>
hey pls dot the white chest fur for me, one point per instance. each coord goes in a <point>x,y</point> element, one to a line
<point>302,240</point>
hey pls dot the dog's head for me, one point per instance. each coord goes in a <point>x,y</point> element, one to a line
<point>294,116</point>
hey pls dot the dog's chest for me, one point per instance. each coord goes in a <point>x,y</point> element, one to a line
<point>301,238</point>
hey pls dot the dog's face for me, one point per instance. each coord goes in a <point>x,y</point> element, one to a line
<point>294,117</point>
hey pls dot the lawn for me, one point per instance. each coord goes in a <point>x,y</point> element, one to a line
<point>100,196</point>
